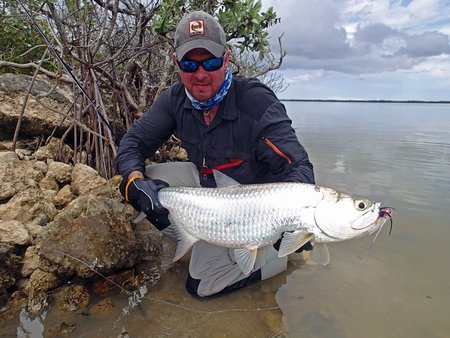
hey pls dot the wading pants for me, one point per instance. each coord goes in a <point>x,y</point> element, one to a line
<point>212,269</point>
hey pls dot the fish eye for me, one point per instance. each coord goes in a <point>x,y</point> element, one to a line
<point>362,204</point>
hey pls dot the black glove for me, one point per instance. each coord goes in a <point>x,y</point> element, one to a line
<point>305,247</point>
<point>142,194</point>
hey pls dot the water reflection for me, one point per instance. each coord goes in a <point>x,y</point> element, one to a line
<point>30,326</point>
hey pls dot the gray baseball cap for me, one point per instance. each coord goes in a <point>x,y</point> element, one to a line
<point>199,30</point>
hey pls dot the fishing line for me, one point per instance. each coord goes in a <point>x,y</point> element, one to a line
<point>182,307</point>
<point>385,214</point>
<point>375,238</point>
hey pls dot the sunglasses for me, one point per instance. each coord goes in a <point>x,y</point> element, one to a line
<point>191,66</point>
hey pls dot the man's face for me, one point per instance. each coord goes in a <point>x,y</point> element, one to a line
<point>202,84</point>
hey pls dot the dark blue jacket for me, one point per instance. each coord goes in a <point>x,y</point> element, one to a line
<point>251,135</point>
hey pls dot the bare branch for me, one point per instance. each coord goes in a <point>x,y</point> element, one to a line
<point>272,64</point>
<point>22,111</point>
<point>64,78</point>
<point>110,7</point>
<point>32,49</point>
<point>251,65</point>
<point>58,22</point>
<point>74,120</point>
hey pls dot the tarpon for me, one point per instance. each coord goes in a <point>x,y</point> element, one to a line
<point>248,217</point>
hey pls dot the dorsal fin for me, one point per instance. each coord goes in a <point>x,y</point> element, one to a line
<point>223,180</point>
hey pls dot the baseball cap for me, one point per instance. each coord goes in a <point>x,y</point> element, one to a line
<point>199,30</point>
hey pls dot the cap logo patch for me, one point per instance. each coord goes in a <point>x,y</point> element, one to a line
<point>196,27</point>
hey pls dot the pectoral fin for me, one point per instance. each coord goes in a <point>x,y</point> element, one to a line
<point>293,241</point>
<point>320,254</point>
<point>245,258</point>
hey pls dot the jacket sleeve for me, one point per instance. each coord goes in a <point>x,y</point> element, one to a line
<point>146,135</point>
<point>279,148</point>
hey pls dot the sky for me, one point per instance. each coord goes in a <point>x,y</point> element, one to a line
<point>364,49</point>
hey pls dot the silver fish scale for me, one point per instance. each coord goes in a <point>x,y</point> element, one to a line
<point>250,215</point>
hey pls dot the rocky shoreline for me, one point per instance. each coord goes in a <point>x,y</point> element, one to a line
<point>63,227</point>
<point>66,235</point>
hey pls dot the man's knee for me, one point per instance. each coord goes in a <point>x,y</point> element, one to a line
<point>192,285</point>
<point>195,289</point>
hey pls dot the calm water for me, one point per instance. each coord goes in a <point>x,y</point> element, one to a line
<point>398,154</point>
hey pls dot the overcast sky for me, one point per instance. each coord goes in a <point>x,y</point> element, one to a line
<point>365,49</point>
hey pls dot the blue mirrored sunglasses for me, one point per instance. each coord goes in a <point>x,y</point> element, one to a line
<point>191,66</point>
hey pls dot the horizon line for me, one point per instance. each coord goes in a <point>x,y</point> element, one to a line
<point>369,100</point>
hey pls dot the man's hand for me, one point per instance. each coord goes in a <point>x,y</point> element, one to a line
<point>142,194</point>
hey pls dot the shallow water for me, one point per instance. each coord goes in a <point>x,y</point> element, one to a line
<point>398,154</point>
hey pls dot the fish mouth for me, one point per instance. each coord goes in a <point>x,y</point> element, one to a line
<point>384,213</point>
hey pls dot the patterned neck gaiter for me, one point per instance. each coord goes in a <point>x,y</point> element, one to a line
<point>216,99</point>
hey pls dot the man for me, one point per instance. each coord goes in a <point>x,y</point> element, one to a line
<point>226,123</point>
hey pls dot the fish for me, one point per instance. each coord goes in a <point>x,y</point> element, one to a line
<point>246,217</point>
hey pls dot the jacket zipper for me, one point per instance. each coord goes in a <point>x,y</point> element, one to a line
<point>276,150</point>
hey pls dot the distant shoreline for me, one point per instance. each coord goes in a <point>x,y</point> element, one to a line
<point>364,101</point>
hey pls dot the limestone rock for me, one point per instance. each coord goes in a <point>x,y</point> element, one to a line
<point>10,265</point>
<point>60,172</point>
<point>41,166</point>
<point>73,221</point>
<point>86,180</point>
<point>63,197</point>
<point>8,156</point>
<point>13,232</point>
<point>73,298</point>
<point>114,283</point>
<point>54,150</point>
<point>15,176</point>
<point>35,229</point>
<point>37,120</point>
<point>41,281</point>
<point>48,183</point>
<point>37,303</point>
<point>28,206</point>
<point>31,261</point>
<point>178,154</point>
<point>91,233</point>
